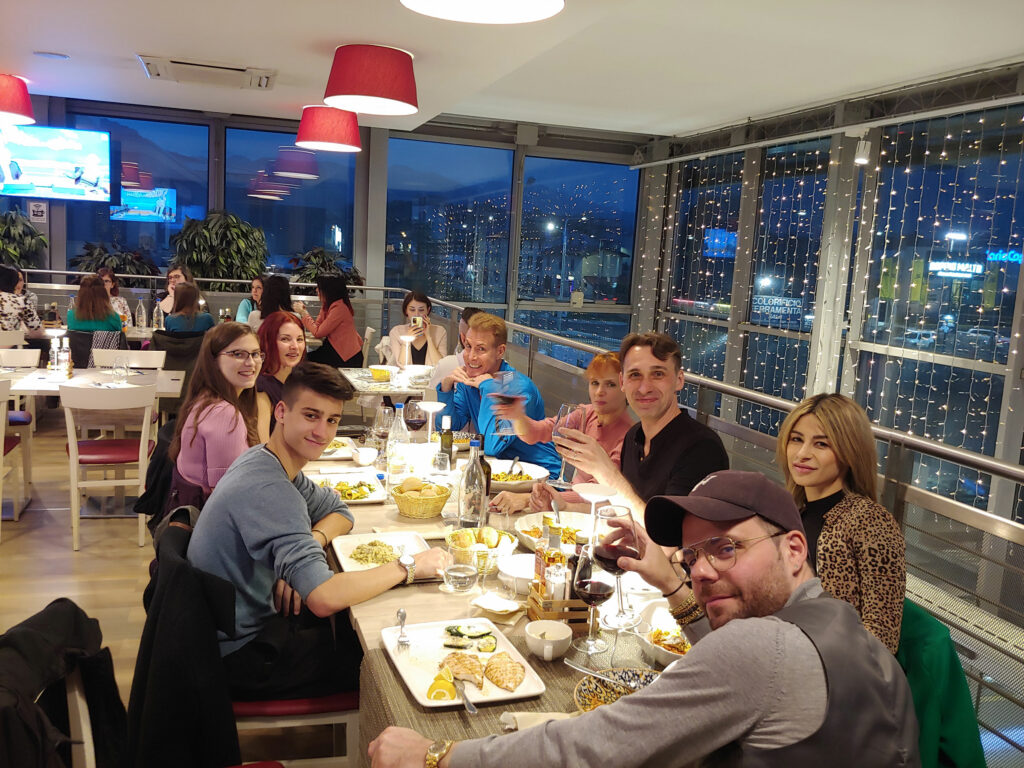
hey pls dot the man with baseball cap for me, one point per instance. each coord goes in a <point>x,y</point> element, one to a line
<point>789,676</point>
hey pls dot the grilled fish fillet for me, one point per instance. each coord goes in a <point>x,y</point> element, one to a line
<point>504,672</point>
<point>465,666</point>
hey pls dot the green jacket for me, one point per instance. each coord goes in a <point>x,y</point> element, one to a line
<point>942,700</point>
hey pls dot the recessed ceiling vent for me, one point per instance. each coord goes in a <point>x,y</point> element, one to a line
<point>207,73</point>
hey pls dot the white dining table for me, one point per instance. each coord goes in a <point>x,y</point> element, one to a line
<point>41,382</point>
<point>363,383</point>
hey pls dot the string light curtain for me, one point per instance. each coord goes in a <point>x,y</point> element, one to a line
<point>784,275</point>
<point>945,261</point>
<point>704,259</point>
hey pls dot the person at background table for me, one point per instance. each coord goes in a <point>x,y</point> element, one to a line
<point>118,302</point>
<point>187,316</point>
<point>175,277</point>
<point>15,311</point>
<point>283,342</point>
<point>788,676</point>
<point>465,394</point>
<point>264,529</point>
<point>93,311</point>
<point>449,363</point>
<point>22,290</point>
<point>276,297</point>
<point>250,302</point>
<point>666,452</point>
<point>827,455</point>
<point>217,421</point>
<point>606,419</point>
<point>336,324</point>
<point>431,343</point>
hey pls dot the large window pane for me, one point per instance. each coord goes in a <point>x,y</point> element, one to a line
<point>788,242</point>
<point>579,220</point>
<point>947,247</point>
<point>601,329</point>
<point>707,223</point>
<point>448,219</point>
<point>777,366</point>
<point>175,158</point>
<point>308,213</point>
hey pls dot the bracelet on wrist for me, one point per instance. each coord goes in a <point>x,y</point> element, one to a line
<point>669,594</point>
<point>316,531</point>
<point>686,612</point>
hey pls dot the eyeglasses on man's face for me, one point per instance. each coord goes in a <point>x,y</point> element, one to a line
<point>241,355</point>
<point>720,551</point>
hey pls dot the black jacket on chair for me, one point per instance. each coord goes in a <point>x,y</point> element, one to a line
<point>182,350</point>
<point>179,711</point>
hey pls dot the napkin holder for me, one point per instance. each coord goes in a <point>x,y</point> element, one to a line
<point>575,613</point>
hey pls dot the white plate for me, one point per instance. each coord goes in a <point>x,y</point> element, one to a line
<point>418,665</point>
<point>520,486</point>
<point>409,542</point>
<point>343,453</point>
<point>378,495</point>
<point>577,520</point>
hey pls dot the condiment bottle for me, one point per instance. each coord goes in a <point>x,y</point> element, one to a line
<point>447,437</point>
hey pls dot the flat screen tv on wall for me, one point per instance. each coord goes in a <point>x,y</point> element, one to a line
<point>56,163</point>
<point>156,205</point>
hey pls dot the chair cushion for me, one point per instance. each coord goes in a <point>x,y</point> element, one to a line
<point>19,418</point>
<point>346,701</point>
<point>10,443</point>
<point>124,451</point>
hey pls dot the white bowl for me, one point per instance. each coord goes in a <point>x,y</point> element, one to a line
<point>412,371</point>
<point>364,457</point>
<point>534,471</point>
<point>548,639</point>
<point>655,615</point>
<point>517,570</point>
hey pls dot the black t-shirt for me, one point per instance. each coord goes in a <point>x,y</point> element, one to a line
<point>682,454</point>
<point>813,516</point>
<point>419,356</point>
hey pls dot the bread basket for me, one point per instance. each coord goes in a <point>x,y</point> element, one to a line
<point>419,507</point>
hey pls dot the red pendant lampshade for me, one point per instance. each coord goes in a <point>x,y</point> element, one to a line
<point>264,188</point>
<point>295,163</point>
<point>326,128</point>
<point>145,180</point>
<point>130,175</point>
<point>372,79</point>
<point>15,103</point>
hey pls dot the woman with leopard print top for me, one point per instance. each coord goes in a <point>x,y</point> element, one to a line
<point>827,454</point>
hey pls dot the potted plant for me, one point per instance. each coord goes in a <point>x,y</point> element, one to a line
<point>21,245</point>
<point>96,255</point>
<point>319,261</point>
<point>221,246</point>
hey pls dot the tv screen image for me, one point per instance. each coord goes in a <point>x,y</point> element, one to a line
<point>156,205</point>
<point>58,163</point>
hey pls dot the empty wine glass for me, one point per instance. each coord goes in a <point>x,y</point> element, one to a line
<point>570,416</point>
<point>593,586</point>
<point>612,541</point>
<point>382,421</point>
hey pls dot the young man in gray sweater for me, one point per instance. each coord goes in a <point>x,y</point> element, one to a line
<point>264,529</point>
<point>788,676</point>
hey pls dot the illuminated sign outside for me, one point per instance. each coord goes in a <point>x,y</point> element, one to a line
<point>960,269</point>
<point>777,311</point>
<point>1008,256</point>
<point>719,244</point>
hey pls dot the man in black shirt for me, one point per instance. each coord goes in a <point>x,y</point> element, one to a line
<point>667,452</point>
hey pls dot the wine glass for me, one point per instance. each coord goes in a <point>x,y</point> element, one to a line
<point>382,421</point>
<point>415,417</point>
<point>506,395</point>
<point>593,586</point>
<point>568,414</point>
<point>610,543</point>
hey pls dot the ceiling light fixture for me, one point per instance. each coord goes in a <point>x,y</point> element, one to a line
<point>487,11</point>
<point>373,80</point>
<point>264,189</point>
<point>130,175</point>
<point>51,55</point>
<point>862,155</point>
<point>328,129</point>
<point>295,163</point>
<point>145,180</point>
<point>15,103</point>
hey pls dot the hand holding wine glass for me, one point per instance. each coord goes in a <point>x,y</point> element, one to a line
<point>615,538</point>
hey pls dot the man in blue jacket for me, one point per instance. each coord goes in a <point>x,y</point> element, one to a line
<point>469,393</point>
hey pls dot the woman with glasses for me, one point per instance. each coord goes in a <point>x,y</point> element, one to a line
<point>218,419</point>
<point>283,342</point>
<point>827,454</point>
<point>117,301</point>
<point>175,276</point>
<point>187,316</point>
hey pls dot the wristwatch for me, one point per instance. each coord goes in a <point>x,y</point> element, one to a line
<point>437,751</point>
<point>407,562</point>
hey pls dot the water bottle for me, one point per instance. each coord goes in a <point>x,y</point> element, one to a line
<point>473,491</point>
<point>398,449</point>
<point>158,317</point>
<point>140,315</point>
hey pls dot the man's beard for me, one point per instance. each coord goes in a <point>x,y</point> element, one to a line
<point>762,598</point>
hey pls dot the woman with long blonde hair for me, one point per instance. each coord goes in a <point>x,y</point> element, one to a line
<point>827,455</point>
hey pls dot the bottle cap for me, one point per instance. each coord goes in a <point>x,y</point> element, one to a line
<point>399,406</point>
<point>474,443</point>
<point>446,422</point>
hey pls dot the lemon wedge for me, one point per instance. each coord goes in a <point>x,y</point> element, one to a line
<point>444,674</point>
<point>441,690</point>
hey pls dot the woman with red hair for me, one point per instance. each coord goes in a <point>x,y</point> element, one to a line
<point>283,342</point>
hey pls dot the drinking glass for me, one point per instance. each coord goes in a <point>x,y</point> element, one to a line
<point>121,370</point>
<point>415,417</point>
<point>506,395</point>
<point>441,463</point>
<point>569,413</point>
<point>593,586</point>
<point>459,577</point>
<point>610,543</point>
<point>382,421</point>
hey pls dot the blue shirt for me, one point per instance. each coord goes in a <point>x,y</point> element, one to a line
<point>256,528</point>
<point>203,321</point>
<point>465,404</point>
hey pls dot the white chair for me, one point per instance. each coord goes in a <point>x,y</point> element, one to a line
<point>10,339</point>
<point>9,444</point>
<point>22,423</point>
<point>136,358</point>
<point>122,405</point>
<point>368,335</point>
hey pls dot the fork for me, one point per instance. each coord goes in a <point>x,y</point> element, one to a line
<point>403,638</point>
<point>512,466</point>
<point>629,686</point>
<point>461,688</point>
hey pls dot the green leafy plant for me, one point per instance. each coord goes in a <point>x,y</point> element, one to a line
<point>21,245</point>
<point>221,246</point>
<point>319,261</point>
<point>96,255</point>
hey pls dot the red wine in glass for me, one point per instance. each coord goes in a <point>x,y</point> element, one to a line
<point>608,556</point>
<point>594,592</point>
<point>415,423</point>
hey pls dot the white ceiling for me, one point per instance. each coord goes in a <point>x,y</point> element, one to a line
<point>666,67</point>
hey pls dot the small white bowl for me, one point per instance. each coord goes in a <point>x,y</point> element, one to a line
<point>412,371</point>
<point>517,570</point>
<point>548,640</point>
<point>364,457</point>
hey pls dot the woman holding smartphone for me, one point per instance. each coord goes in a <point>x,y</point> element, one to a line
<point>431,342</point>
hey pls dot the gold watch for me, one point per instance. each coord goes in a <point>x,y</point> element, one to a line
<point>437,751</point>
